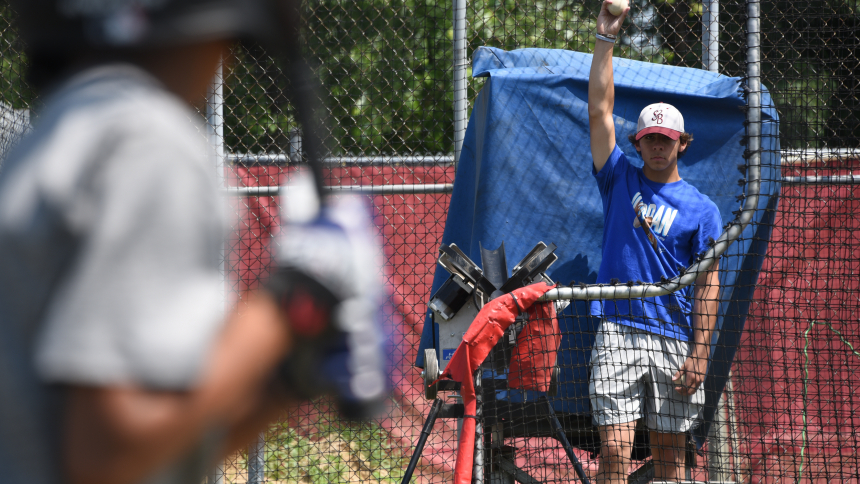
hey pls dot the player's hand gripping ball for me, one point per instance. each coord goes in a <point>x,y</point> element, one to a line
<point>617,7</point>
<point>681,382</point>
<point>329,285</point>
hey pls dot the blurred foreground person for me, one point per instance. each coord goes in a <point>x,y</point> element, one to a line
<point>118,363</point>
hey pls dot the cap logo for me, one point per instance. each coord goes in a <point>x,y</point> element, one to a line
<point>658,116</point>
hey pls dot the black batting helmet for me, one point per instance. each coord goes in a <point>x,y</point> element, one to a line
<point>57,31</point>
<point>70,26</point>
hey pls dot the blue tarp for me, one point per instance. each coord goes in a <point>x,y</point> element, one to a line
<point>525,176</point>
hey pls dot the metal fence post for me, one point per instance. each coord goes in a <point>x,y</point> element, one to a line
<point>257,461</point>
<point>718,445</point>
<point>753,82</point>
<point>216,476</point>
<point>215,120</point>
<point>460,65</point>
<point>711,36</point>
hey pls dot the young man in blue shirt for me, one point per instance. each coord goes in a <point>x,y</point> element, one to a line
<point>650,355</point>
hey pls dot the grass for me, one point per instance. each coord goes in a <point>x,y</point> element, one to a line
<point>334,451</point>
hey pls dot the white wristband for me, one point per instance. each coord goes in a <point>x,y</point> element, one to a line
<point>606,38</point>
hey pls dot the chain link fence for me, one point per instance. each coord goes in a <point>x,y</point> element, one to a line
<point>15,97</point>
<point>391,81</point>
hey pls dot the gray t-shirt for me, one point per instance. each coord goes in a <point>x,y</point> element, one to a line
<point>110,234</point>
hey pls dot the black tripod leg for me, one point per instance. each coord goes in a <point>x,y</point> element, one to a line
<point>559,434</point>
<point>425,432</point>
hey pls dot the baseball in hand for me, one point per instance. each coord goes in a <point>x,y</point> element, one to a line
<point>682,380</point>
<point>617,6</point>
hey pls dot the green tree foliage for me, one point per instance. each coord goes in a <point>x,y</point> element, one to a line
<point>13,89</point>
<point>386,65</point>
<point>815,63</point>
<point>386,69</point>
<point>809,62</point>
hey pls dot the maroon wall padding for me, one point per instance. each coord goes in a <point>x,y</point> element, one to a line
<point>811,275</point>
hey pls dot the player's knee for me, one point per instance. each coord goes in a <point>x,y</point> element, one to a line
<point>614,451</point>
<point>667,452</point>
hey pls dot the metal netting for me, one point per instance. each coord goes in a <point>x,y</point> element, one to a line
<point>390,73</point>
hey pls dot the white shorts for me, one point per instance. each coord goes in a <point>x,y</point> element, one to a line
<point>631,378</point>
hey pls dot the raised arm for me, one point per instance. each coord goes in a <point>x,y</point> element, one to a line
<point>601,88</point>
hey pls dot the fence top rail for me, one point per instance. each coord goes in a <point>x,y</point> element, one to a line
<point>401,189</point>
<point>789,157</point>
<point>821,180</point>
<point>286,159</point>
<point>824,155</point>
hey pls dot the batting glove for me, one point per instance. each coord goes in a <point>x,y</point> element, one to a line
<point>328,282</point>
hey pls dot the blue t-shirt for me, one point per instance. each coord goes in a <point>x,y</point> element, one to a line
<point>682,220</point>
